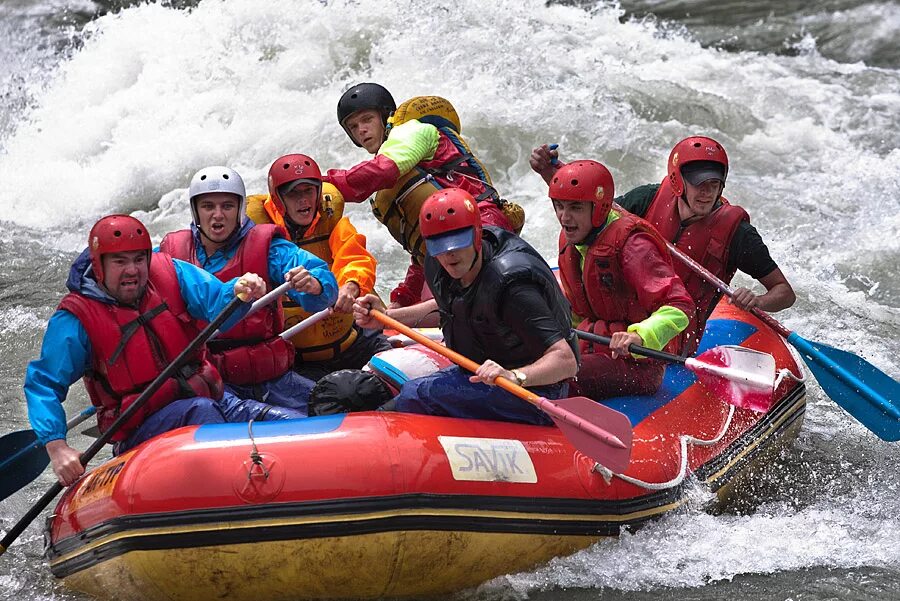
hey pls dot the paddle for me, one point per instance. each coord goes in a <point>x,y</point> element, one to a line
<point>743,377</point>
<point>601,433</point>
<point>25,457</point>
<point>94,431</point>
<point>139,402</point>
<point>864,391</point>
<point>305,323</point>
<point>263,301</point>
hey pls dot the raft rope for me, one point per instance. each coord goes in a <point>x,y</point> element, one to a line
<point>255,457</point>
<point>686,439</point>
<point>786,373</point>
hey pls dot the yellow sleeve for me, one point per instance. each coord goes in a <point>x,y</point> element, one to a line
<point>352,262</point>
<point>663,324</point>
<point>410,143</point>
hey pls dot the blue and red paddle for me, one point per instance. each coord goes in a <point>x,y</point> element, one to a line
<point>742,377</point>
<point>864,391</point>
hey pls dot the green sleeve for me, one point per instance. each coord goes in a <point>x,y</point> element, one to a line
<point>664,324</point>
<point>409,144</point>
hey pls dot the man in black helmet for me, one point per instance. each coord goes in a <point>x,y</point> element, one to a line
<point>414,156</point>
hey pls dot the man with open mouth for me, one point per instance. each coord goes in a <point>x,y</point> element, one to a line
<point>255,362</point>
<point>128,314</point>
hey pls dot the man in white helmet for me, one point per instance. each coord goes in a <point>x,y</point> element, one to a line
<point>255,362</point>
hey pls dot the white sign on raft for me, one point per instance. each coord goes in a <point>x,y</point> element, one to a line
<point>488,459</point>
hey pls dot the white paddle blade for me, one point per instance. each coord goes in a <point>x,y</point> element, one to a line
<point>741,376</point>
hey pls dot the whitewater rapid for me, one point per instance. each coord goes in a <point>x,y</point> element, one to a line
<point>148,95</point>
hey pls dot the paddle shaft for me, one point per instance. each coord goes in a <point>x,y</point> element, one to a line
<point>268,298</point>
<point>541,403</point>
<point>635,349</point>
<point>261,302</point>
<point>728,290</point>
<point>461,360</point>
<point>139,402</point>
<point>302,325</point>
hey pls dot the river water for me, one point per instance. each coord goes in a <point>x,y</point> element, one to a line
<point>111,106</point>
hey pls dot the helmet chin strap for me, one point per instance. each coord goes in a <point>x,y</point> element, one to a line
<point>475,259</point>
<point>471,266</point>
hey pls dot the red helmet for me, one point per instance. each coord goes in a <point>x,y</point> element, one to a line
<point>692,150</point>
<point>288,171</point>
<point>116,234</point>
<point>447,211</point>
<point>585,181</point>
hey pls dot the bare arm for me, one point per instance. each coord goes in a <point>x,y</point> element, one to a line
<point>556,364</point>
<point>541,161</point>
<point>424,314</point>
<point>779,294</point>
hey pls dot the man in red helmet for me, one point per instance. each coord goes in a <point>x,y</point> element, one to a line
<point>253,359</point>
<point>497,303</point>
<point>126,317</point>
<point>618,275</point>
<point>413,158</point>
<point>313,213</point>
<point>688,209</point>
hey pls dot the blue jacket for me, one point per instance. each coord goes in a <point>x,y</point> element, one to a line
<point>66,349</point>
<point>283,256</point>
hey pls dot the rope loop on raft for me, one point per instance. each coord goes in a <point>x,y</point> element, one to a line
<point>686,439</point>
<point>255,457</point>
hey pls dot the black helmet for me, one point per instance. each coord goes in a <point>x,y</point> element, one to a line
<point>346,391</point>
<point>364,96</point>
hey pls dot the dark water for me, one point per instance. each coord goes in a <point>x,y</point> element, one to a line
<point>112,105</point>
<point>845,31</point>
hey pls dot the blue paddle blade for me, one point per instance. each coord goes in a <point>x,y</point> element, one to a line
<point>22,459</point>
<point>864,391</point>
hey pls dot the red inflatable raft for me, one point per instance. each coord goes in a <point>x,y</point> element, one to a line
<point>373,505</point>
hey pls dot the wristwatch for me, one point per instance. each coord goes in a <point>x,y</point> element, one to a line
<point>520,376</point>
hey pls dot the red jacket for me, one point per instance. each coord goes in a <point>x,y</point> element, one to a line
<point>627,275</point>
<point>130,347</point>
<point>707,241</point>
<point>251,352</point>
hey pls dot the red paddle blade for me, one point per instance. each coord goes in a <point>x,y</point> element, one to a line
<point>741,376</point>
<point>601,433</point>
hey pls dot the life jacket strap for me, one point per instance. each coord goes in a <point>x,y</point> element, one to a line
<point>130,329</point>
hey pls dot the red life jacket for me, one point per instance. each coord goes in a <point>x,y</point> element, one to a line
<point>251,352</point>
<point>707,241</point>
<point>130,347</point>
<point>598,291</point>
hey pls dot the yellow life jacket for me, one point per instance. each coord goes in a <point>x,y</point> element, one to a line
<point>428,109</point>
<point>398,207</point>
<point>333,335</point>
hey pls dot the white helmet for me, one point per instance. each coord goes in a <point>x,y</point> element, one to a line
<point>218,179</point>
